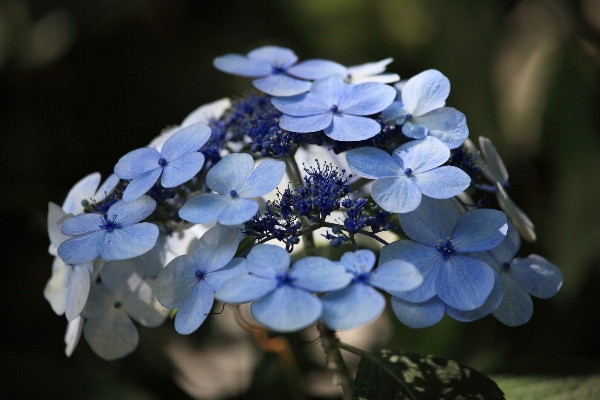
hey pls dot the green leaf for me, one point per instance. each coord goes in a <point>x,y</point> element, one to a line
<point>581,387</point>
<point>405,376</point>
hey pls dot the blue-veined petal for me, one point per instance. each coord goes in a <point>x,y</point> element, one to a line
<point>268,260</point>
<point>419,315</point>
<point>302,105</point>
<point>239,65</point>
<point>316,69</point>
<point>234,268</point>
<point>83,248</point>
<point>175,281</point>
<point>140,185</point>
<point>81,224</point>
<point>245,288</point>
<point>319,274</point>
<point>184,141</point>
<point>204,207</point>
<point>311,123</point>
<point>432,221</point>
<point>537,276</point>
<point>238,211</point>
<point>216,248</point>
<point>182,169</point>
<point>129,241</point>
<point>446,124</point>
<point>414,131</point>
<point>127,213</point>
<point>352,307</point>
<point>350,128</point>
<point>516,307</point>
<point>443,182</point>
<point>464,283</point>
<point>395,276</point>
<point>330,90</point>
<point>479,230</point>
<point>264,178</point>
<point>287,309</point>
<point>281,85</point>
<point>137,162</point>
<point>372,163</point>
<point>421,155</point>
<point>399,194</point>
<point>230,173</point>
<point>273,55</point>
<point>425,92</point>
<point>491,304</point>
<point>366,98</point>
<point>195,308</point>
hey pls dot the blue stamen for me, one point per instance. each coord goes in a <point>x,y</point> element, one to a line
<point>408,171</point>
<point>162,162</point>
<point>199,274</point>
<point>446,248</point>
<point>107,224</point>
<point>233,193</point>
<point>334,108</point>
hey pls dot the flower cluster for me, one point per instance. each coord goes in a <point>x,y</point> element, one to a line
<point>127,252</point>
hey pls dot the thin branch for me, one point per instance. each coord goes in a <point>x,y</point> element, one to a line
<point>362,232</point>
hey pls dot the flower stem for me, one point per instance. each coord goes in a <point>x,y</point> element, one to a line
<point>334,360</point>
<point>362,232</point>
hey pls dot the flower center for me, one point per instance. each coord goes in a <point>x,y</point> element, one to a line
<point>117,305</point>
<point>407,117</point>
<point>233,193</point>
<point>199,274</point>
<point>446,247</point>
<point>109,224</point>
<point>162,162</point>
<point>361,278</point>
<point>334,108</point>
<point>277,68</point>
<point>284,279</point>
<point>506,266</point>
<point>408,171</point>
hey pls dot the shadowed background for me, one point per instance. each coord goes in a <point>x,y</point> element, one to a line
<point>82,83</point>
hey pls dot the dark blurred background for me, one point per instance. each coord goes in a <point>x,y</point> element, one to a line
<point>82,83</point>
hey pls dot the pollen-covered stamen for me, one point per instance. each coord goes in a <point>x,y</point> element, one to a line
<point>407,171</point>
<point>446,247</point>
<point>117,305</point>
<point>505,266</point>
<point>284,279</point>
<point>109,224</point>
<point>233,193</point>
<point>199,274</point>
<point>334,108</point>
<point>162,162</point>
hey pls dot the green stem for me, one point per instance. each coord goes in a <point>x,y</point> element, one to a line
<point>342,227</point>
<point>333,358</point>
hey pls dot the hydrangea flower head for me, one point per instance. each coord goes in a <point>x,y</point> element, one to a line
<point>282,298</point>
<point>235,183</point>
<point>422,110</point>
<point>369,72</point>
<point>177,162</point>
<point>443,239</point>
<point>336,107</point>
<point>521,278</point>
<point>413,169</point>
<point>360,303</point>
<point>115,236</point>
<point>270,65</point>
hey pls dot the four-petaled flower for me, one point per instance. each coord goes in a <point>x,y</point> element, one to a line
<point>369,72</point>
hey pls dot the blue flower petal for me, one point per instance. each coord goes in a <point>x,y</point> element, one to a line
<point>234,268</point>
<point>434,220</point>
<point>195,308</point>
<point>352,307</point>
<point>140,185</point>
<point>79,288</point>
<point>267,260</point>
<point>425,92</point>
<point>393,112</point>
<point>318,274</point>
<point>443,182</point>
<point>245,288</point>
<point>287,309</point>
<point>264,178</point>
<point>493,168</point>
<point>311,123</point>
<point>520,220</point>
<point>129,241</point>
<point>302,105</point>
<point>281,85</point>
<point>395,276</point>
<point>372,163</point>
<point>491,304</point>
<point>464,283</point>
<point>106,188</point>
<point>216,248</point>
<point>516,307</point>
<point>83,223</point>
<point>414,131</point>
<point>127,213</point>
<point>359,261</point>
<point>330,90</point>
<point>537,276</point>
<point>182,170</point>
<point>239,65</point>
<point>83,248</point>
<point>84,189</point>
<point>175,281</point>
<point>509,247</point>
<point>137,162</point>
<point>367,98</point>
<point>351,128</point>
<point>274,55</point>
<point>238,211</point>
<point>316,69</point>
<point>230,173</point>
<point>186,140</point>
<point>427,260</point>
<point>204,207</point>
<point>479,230</point>
<point>421,155</point>
<point>400,195</point>
<point>446,124</point>
<point>419,315</point>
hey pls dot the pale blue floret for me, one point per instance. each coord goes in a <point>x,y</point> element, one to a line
<point>235,183</point>
<point>521,278</point>
<point>337,108</point>
<point>282,297</point>
<point>177,162</point>
<point>369,72</point>
<point>87,190</point>
<point>111,305</point>
<point>421,111</point>
<point>443,239</point>
<point>360,303</point>
<point>115,236</point>
<point>189,282</point>
<point>270,64</point>
<point>413,169</point>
